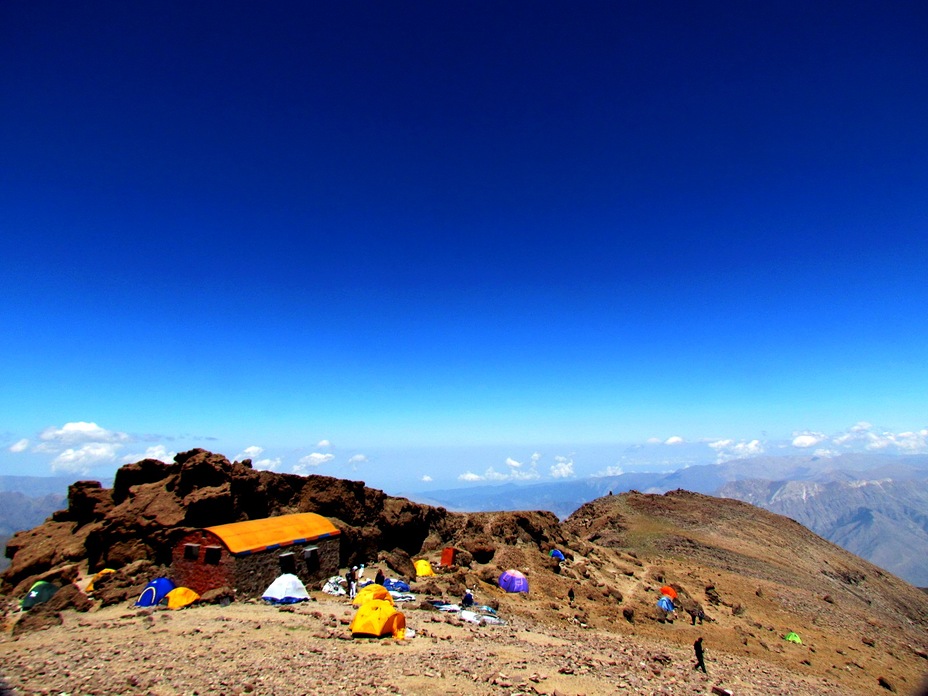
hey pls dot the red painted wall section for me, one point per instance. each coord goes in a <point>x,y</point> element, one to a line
<point>199,572</point>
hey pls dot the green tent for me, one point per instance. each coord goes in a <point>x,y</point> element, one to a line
<point>41,591</point>
<point>793,638</point>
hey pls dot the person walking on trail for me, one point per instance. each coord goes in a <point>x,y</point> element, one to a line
<point>700,655</point>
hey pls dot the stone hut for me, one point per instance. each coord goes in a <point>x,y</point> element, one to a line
<point>248,556</point>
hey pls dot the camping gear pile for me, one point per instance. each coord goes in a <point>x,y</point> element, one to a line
<point>476,614</point>
<point>335,585</point>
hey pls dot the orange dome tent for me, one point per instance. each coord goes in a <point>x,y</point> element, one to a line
<point>378,618</point>
<point>668,591</point>
<point>180,597</point>
<point>369,593</point>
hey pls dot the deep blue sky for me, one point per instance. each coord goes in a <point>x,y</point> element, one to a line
<point>492,230</point>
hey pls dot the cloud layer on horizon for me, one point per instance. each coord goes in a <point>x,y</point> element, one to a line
<point>80,447</point>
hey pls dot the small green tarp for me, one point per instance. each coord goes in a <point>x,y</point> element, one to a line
<point>793,638</point>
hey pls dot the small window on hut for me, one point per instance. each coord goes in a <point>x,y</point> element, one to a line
<point>212,555</point>
<point>191,552</point>
<point>311,558</point>
<point>287,563</point>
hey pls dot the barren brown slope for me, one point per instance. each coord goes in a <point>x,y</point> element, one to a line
<point>760,575</point>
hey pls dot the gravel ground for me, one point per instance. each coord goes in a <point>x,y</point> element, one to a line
<point>248,648</point>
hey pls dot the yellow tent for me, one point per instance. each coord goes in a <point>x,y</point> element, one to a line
<point>97,576</point>
<point>371,592</point>
<point>423,567</point>
<point>180,597</point>
<point>379,618</point>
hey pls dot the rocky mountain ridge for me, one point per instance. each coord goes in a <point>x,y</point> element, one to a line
<point>884,523</point>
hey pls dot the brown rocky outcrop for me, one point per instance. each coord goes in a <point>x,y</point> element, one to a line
<point>152,504</point>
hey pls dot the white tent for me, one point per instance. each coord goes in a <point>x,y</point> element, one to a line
<point>286,589</point>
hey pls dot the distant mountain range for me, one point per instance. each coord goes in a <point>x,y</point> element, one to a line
<point>875,506</point>
<point>36,486</point>
<point>19,511</point>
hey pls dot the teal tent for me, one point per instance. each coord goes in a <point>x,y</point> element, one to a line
<point>41,591</point>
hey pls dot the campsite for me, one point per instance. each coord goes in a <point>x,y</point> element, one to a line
<point>535,623</point>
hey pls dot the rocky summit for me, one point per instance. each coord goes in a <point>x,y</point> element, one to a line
<point>590,624</point>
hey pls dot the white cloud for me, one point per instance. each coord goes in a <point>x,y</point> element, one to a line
<point>252,452</point>
<point>524,475</point>
<point>267,464</point>
<point>864,437</point>
<point>653,441</point>
<point>674,440</point>
<point>908,442</point>
<point>158,452</point>
<point>82,459</point>
<point>807,439</point>
<point>610,471</point>
<point>19,446</point>
<point>514,474</point>
<point>357,459</point>
<point>311,461</point>
<point>79,432</point>
<point>826,453</point>
<point>563,468</point>
<point>426,478</point>
<point>728,449</point>
<point>536,457</point>
<point>323,444</point>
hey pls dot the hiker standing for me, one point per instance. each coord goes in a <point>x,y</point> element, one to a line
<point>468,599</point>
<point>352,578</point>
<point>380,577</point>
<point>700,655</point>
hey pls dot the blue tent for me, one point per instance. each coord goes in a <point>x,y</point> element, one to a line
<point>513,581</point>
<point>666,603</point>
<point>557,553</point>
<point>154,592</point>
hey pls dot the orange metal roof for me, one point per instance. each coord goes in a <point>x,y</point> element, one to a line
<point>270,532</point>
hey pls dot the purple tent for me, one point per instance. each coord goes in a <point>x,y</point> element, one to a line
<point>513,581</point>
